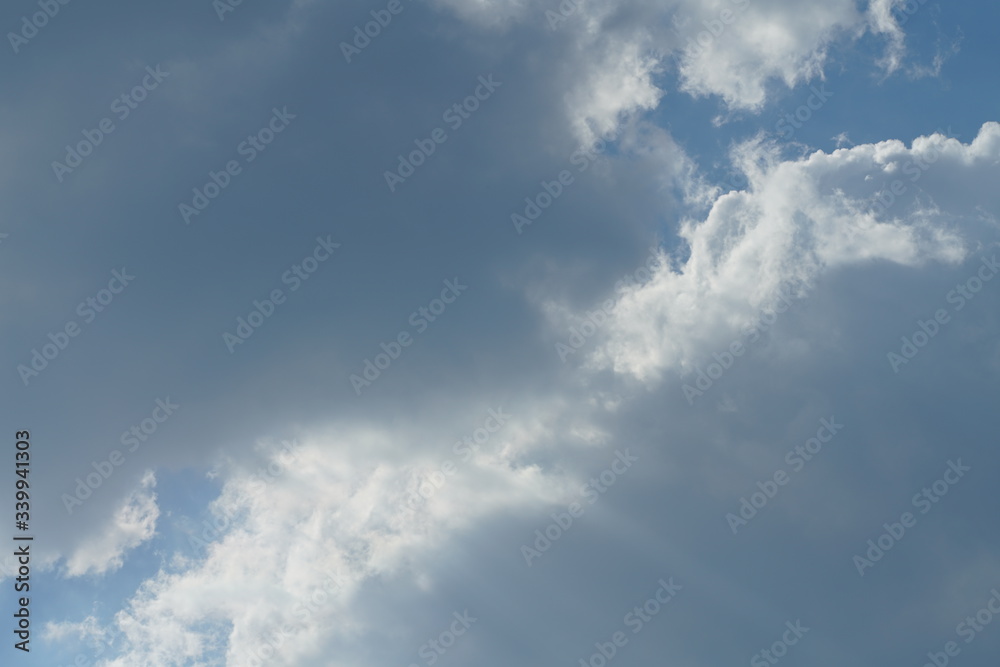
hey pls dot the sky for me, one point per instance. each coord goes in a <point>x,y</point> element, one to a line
<point>500,332</point>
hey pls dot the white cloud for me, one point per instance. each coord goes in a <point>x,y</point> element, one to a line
<point>132,524</point>
<point>797,221</point>
<point>339,508</point>
<point>337,511</point>
<point>733,49</point>
<point>613,86</point>
<point>884,23</point>
<point>787,42</point>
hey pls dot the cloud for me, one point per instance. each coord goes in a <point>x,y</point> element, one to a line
<point>296,565</point>
<point>289,576</point>
<point>132,524</point>
<point>882,22</point>
<point>732,49</point>
<point>798,221</point>
<point>611,88</point>
<point>729,48</point>
<point>336,515</point>
<point>760,42</point>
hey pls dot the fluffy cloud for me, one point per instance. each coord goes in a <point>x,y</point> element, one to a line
<point>132,524</point>
<point>614,87</point>
<point>798,220</point>
<point>296,546</point>
<point>733,49</point>
<point>298,550</point>
<point>291,567</point>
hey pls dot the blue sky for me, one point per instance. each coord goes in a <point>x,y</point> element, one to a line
<point>720,359</point>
